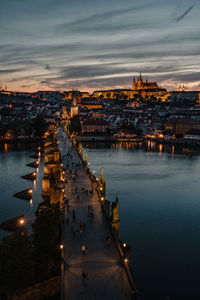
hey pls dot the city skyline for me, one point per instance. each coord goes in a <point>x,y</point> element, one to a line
<point>61,46</point>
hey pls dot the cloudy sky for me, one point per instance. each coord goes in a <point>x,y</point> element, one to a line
<point>90,44</point>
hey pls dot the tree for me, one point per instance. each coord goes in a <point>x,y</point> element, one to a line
<point>28,127</point>
<point>16,262</point>
<point>46,240</point>
<point>39,126</point>
<point>75,125</point>
<point>3,130</point>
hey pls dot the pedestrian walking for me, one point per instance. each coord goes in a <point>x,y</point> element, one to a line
<point>84,276</point>
<point>74,217</point>
<point>107,240</point>
<point>83,250</point>
<point>86,249</point>
<point>84,226</point>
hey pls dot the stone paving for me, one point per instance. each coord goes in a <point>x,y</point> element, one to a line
<point>106,277</point>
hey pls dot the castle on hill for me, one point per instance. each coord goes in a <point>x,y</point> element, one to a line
<point>141,85</point>
<point>140,88</point>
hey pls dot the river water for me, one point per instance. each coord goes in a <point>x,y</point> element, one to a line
<point>159,209</point>
<point>13,160</point>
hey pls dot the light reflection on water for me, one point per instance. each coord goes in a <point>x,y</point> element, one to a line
<point>159,213</point>
<point>12,167</point>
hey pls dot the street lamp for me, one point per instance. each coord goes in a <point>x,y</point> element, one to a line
<point>61,246</point>
<point>21,222</point>
<point>124,245</point>
<point>30,191</point>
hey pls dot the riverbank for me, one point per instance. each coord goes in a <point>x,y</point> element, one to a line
<point>22,140</point>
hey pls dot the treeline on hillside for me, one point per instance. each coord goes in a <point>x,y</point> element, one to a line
<point>27,259</point>
<point>30,128</point>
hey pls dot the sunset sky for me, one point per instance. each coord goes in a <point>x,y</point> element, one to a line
<point>90,44</point>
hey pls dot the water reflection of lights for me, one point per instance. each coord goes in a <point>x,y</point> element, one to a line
<point>6,147</point>
<point>31,202</point>
<point>34,183</point>
<point>173,150</point>
<point>160,147</point>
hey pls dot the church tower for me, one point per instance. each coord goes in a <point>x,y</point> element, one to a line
<point>140,83</point>
<point>134,86</point>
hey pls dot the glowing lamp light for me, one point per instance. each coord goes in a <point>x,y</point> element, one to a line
<point>63,190</point>
<point>34,173</point>
<point>30,191</point>
<point>61,246</point>
<point>101,188</point>
<point>126,260</point>
<point>88,164</point>
<point>21,222</point>
<point>102,198</point>
<point>61,165</point>
<point>124,245</point>
<point>97,179</point>
<point>93,171</point>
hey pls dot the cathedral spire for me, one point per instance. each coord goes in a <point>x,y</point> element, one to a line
<point>134,86</point>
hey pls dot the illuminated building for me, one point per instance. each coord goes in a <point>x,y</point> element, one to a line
<point>140,88</point>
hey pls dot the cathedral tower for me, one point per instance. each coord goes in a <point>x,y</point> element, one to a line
<point>140,83</point>
<point>134,86</point>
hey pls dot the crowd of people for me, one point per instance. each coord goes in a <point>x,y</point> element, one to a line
<point>76,224</point>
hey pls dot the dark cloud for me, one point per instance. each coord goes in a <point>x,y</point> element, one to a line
<point>47,67</point>
<point>8,71</point>
<point>107,15</point>
<point>109,21</point>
